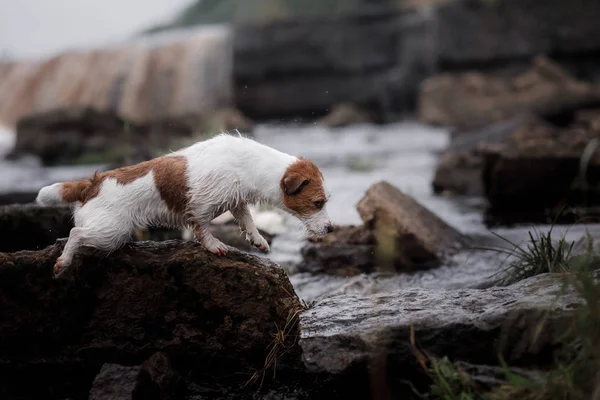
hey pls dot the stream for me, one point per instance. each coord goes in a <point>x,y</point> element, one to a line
<point>352,158</point>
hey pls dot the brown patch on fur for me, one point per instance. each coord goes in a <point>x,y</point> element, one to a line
<point>169,178</point>
<point>302,186</point>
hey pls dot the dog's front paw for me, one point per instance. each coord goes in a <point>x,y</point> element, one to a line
<point>260,243</point>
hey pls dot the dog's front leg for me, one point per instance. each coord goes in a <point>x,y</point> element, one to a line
<point>203,235</point>
<point>242,215</point>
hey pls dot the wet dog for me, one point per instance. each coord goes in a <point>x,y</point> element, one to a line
<point>189,188</point>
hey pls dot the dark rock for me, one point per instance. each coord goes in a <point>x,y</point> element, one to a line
<point>115,382</point>
<point>158,379</point>
<point>378,58</point>
<point>460,169</point>
<point>398,234</point>
<point>544,166</point>
<point>305,67</point>
<point>370,335</point>
<point>61,136</point>
<point>479,32</point>
<point>459,174</point>
<point>208,314</point>
<point>87,136</point>
<point>29,227</point>
<point>345,114</point>
<point>408,236</point>
<point>347,251</point>
<point>475,98</point>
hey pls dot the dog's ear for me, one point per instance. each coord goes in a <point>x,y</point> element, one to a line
<point>293,184</point>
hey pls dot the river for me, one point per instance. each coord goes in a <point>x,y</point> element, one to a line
<point>351,159</point>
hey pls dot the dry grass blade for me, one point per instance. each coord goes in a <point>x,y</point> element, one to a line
<point>283,341</point>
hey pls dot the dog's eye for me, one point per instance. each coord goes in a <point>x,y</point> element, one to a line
<point>319,203</point>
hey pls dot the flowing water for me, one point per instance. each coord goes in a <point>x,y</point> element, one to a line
<point>351,159</point>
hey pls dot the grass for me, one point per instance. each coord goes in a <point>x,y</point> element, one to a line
<point>541,254</point>
<point>575,374</point>
<point>284,340</point>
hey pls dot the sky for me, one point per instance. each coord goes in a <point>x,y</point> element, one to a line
<point>41,28</point>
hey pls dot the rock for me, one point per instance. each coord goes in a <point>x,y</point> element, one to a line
<point>303,67</point>
<point>32,227</point>
<point>159,379</point>
<point>115,382</point>
<point>345,114</point>
<point>538,169</point>
<point>347,251</point>
<point>29,227</point>
<point>408,236</point>
<point>210,315</point>
<point>154,380</point>
<point>482,33</point>
<point>475,98</point>
<point>347,334</point>
<point>398,234</point>
<point>459,174</point>
<point>81,135</point>
<point>63,135</point>
<point>460,169</point>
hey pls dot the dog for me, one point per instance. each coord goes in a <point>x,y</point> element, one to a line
<point>189,188</point>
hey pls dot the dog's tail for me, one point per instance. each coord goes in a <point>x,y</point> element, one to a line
<point>64,193</point>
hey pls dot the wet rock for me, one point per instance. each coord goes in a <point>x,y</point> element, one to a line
<point>544,166</point>
<point>474,98</point>
<point>407,235</point>
<point>347,251</point>
<point>208,314</point>
<point>29,227</point>
<point>115,382</point>
<point>398,234</point>
<point>158,379</point>
<point>361,335</point>
<point>345,114</point>
<point>460,169</point>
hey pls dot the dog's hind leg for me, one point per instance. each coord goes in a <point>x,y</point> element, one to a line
<point>242,215</point>
<point>107,239</point>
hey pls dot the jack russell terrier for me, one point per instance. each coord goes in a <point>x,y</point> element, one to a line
<point>189,188</point>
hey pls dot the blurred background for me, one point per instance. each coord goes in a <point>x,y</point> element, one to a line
<point>484,111</point>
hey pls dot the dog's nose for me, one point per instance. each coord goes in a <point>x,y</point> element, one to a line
<point>329,228</point>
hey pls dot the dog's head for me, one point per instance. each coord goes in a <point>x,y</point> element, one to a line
<point>304,195</point>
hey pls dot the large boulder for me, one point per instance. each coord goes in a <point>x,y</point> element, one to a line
<point>369,336</point>
<point>30,227</point>
<point>211,316</point>
<point>83,135</point>
<point>474,98</point>
<point>407,235</point>
<point>543,166</point>
<point>397,235</point>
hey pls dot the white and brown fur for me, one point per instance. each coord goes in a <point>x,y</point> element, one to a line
<point>189,188</point>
